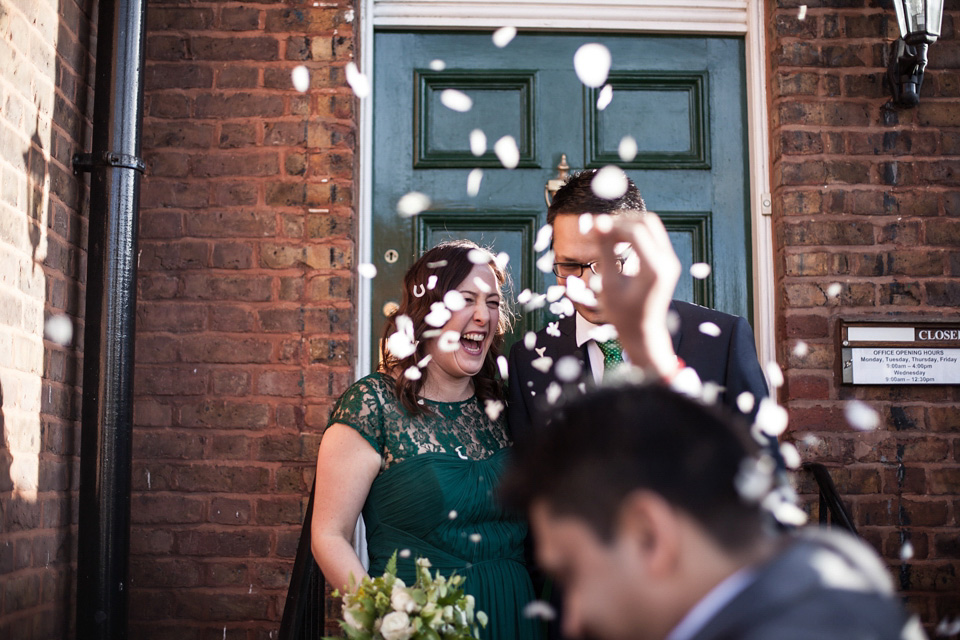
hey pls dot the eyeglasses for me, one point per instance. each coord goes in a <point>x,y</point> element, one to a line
<point>575,269</point>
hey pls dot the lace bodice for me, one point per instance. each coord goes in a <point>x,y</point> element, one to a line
<point>371,407</point>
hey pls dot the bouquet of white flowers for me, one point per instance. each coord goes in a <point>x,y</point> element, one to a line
<point>434,608</point>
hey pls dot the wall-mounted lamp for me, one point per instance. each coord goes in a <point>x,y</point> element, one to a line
<point>919,22</point>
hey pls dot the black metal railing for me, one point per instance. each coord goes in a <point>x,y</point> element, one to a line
<point>832,509</point>
<point>304,610</point>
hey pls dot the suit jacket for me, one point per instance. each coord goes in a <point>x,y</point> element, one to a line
<point>824,585</point>
<point>730,360</point>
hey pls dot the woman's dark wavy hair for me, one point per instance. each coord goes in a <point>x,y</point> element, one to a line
<point>450,263</point>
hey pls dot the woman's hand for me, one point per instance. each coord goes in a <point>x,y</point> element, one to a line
<point>346,467</point>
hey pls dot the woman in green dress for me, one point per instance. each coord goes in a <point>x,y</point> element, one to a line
<point>418,447</point>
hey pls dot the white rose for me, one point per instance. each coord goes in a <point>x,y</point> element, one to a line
<point>401,600</point>
<point>350,620</point>
<point>396,626</point>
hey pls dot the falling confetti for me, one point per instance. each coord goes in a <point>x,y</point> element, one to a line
<point>542,364</point>
<point>503,36</point>
<point>401,343</point>
<point>412,373</point>
<point>481,285</point>
<point>553,329</point>
<point>801,349</point>
<point>754,479</point>
<point>449,341</point>
<point>568,369</point>
<point>834,290</point>
<point>431,282</point>
<point>802,13</point>
<point>545,262</point>
<point>453,514</point>
<point>578,292</point>
<point>475,538</point>
<point>710,392</point>
<point>502,365</point>
<point>439,264</point>
<point>502,259</point>
<point>404,553</point>
<point>367,270</point>
<point>771,418</point>
<point>544,235</point>
<point>454,300</point>
<point>709,329</point>
<point>478,142</point>
<point>788,513</point>
<point>774,374</point>
<point>412,203</point>
<point>673,322</point>
<point>627,149</point>
<point>59,329</point>
<point>474,178</point>
<point>596,283</point>
<point>603,333</point>
<point>525,296</point>
<point>606,95</point>
<point>438,316</point>
<point>555,292</point>
<point>906,551</point>
<point>609,183</point>
<point>537,302</point>
<point>530,340</point>
<point>478,256</point>
<point>585,223</point>
<point>592,64</point>
<point>603,222</point>
<point>456,100</point>
<point>790,455</point>
<point>687,383</point>
<point>438,65</point>
<point>700,270</point>
<point>948,628</point>
<point>553,393</point>
<point>539,609</point>
<point>357,81</point>
<point>493,409</point>
<point>507,152</point>
<point>746,402</point>
<point>861,416</point>
<point>425,361</point>
<point>301,78</point>
<point>563,308</point>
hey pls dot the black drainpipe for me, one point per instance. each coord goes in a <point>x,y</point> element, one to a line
<point>107,414</point>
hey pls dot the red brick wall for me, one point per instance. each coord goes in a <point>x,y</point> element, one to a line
<point>45,106</point>
<point>246,304</point>
<point>866,195</point>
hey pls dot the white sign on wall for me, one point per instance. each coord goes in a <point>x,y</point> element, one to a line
<point>900,353</point>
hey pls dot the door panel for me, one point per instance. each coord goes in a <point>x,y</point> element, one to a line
<point>681,98</point>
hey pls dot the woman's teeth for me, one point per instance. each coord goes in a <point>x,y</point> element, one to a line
<point>472,343</point>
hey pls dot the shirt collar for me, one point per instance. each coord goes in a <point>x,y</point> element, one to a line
<point>584,327</point>
<point>711,604</point>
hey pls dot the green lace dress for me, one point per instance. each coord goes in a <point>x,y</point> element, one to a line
<point>435,496</point>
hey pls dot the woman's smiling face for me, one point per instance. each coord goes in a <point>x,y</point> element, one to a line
<point>475,324</point>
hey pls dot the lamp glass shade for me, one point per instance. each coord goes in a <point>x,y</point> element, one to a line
<point>919,20</point>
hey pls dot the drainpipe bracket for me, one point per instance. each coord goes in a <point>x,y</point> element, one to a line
<point>85,162</point>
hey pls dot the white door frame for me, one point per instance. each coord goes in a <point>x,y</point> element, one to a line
<point>706,17</point>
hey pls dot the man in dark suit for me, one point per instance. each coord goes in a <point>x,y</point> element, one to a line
<point>727,358</point>
<point>642,523</point>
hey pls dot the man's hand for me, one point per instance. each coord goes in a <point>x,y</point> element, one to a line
<point>637,305</point>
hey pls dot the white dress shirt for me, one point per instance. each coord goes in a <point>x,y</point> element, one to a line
<point>711,604</point>
<point>584,327</point>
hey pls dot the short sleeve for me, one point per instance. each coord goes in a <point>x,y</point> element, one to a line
<point>359,407</point>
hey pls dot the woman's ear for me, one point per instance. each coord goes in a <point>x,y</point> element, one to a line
<point>652,525</point>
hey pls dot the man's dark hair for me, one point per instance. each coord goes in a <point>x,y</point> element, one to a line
<point>576,196</point>
<point>591,453</point>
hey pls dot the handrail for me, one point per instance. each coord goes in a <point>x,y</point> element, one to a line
<point>305,608</point>
<point>832,508</point>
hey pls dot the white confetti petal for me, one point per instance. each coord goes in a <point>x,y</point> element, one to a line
<point>596,283</point>
<point>553,392</point>
<point>563,308</point>
<point>478,142</point>
<point>746,402</point>
<point>59,329</point>
<point>437,265</point>
<point>834,290</point>
<point>410,204</point>
<point>542,364</point>
<point>709,329</point>
<point>710,392</point>
<point>609,183</point>
<point>791,457</point>
<point>404,553</point>
<point>603,333</point>
<point>475,538</point>
<point>861,416</point>
<point>673,322</point>
<point>431,282</point>
<point>474,178</point>
<point>538,301</point>
<point>357,81</point>
<point>507,152</point>
<point>493,409</point>
<point>478,256</point>
<point>774,374</point>
<point>452,515</point>
<point>592,64</point>
<point>449,341</point>
<point>525,296</point>
<point>578,292</point>
<point>481,285</point>
<point>790,514</point>
<point>754,479</point>
<point>606,95</point>
<point>603,222</point>
<point>544,235</point>
<point>454,300</point>
<point>401,345</point>
<point>367,270</point>
<point>502,259</point>
<point>802,13</point>
<point>585,223</point>
<point>503,36</point>
<point>438,316</point>
<point>412,373</point>
<point>771,418</point>
<point>801,349</point>
<point>906,551</point>
<point>539,609</point>
<point>687,383</point>
<point>555,292</point>
<point>530,340</point>
<point>301,78</point>
<point>545,262</point>
<point>700,270</point>
<point>540,351</point>
<point>438,65</point>
<point>425,361</point>
<point>553,329</point>
<point>627,149</point>
<point>502,365</point>
<point>456,100</point>
<point>568,369</point>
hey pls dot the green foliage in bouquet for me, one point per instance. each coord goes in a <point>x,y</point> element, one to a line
<point>434,608</point>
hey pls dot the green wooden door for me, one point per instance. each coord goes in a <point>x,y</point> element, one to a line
<point>681,98</point>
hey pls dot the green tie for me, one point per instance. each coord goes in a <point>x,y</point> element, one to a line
<point>612,354</point>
